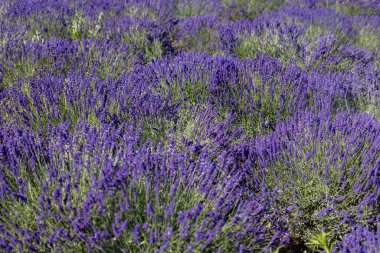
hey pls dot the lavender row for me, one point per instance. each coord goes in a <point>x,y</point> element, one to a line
<point>189,126</point>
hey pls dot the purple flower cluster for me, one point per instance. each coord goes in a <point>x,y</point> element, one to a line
<point>189,126</point>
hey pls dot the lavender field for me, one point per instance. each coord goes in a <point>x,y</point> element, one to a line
<point>190,126</point>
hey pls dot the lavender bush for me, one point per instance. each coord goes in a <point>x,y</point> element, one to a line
<point>189,126</point>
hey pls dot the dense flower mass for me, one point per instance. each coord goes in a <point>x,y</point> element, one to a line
<point>189,126</point>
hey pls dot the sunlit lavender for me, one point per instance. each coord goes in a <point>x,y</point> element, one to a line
<point>190,126</point>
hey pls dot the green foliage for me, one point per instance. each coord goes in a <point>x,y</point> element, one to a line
<point>153,50</point>
<point>138,39</point>
<point>349,8</point>
<point>82,26</point>
<point>367,39</point>
<point>189,8</point>
<point>3,9</point>
<point>249,9</point>
<point>320,241</point>
<point>140,11</point>
<point>155,128</point>
<point>76,30</point>
<point>269,43</point>
<point>21,70</point>
<point>373,107</point>
<point>201,41</point>
<point>267,98</point>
